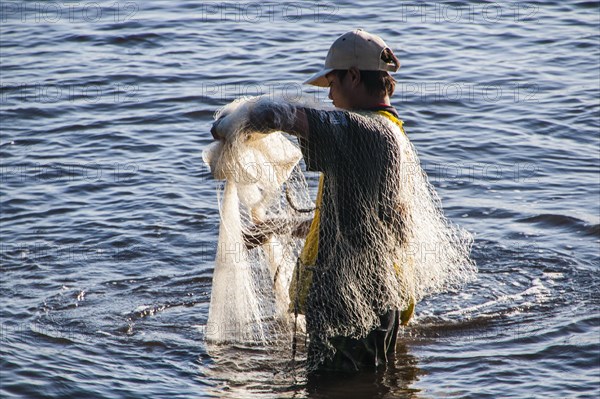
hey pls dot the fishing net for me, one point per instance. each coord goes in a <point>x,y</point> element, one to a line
<point>263,200</point>
<point>383,241</point>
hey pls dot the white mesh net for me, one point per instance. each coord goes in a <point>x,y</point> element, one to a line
<point>384,242</point>
<point>250,298</point>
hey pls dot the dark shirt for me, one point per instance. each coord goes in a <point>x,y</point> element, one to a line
<point>359,156</point>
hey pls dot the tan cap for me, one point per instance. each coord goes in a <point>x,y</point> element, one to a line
<point>357,48</point>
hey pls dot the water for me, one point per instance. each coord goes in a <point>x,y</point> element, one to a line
<point>109,218</point>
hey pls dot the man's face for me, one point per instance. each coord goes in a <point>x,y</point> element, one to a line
<point>340,91</point>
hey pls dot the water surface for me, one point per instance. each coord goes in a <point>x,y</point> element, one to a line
<point>109,218</point>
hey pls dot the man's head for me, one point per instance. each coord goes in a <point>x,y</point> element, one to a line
<point>357,71</point>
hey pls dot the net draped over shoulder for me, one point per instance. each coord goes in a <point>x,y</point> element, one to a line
<point>380,244</point>
<point>379,217</point>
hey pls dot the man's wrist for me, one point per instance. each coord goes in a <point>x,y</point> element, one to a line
<point>267,116</point>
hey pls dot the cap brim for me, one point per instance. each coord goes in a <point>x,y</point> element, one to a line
<point>319,79</point>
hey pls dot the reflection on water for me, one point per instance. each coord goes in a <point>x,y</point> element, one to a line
<point>393,381</point>
<point>258,372</point>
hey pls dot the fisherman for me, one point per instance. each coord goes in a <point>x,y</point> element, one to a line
<point>346,281</point>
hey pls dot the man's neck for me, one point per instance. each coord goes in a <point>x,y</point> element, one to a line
<point>370,102</point>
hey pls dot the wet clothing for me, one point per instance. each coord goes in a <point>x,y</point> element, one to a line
<point>371,351</point>
<point>354,158</point>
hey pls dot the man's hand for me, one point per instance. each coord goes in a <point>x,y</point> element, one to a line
<point>214,130</point>
<point>223,128</point>
<point>231,120</point>
<point>261,232</point>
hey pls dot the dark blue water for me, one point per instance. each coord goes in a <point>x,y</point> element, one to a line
<point>109,218</point>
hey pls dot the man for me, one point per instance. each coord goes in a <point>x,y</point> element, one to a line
<point>349,279</point>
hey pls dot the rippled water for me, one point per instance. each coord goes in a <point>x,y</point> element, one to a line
<point>109,218</point>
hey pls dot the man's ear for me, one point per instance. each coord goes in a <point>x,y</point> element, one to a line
<point>354,76</point>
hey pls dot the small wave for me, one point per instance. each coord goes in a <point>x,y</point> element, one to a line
<point>122,25</point>
<point>593,230</point>
<point>146,39</point>
<point>79,38</point>
<point>570,222</point>
<point>586,4</point>
<point>147,311</point>
<point>78,127</point>
<point>198,115</point>
<point>538,292</point>
<point>27,113</point>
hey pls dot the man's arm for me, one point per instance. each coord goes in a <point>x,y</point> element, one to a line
<point>269,119</point>
<point>264,116</point>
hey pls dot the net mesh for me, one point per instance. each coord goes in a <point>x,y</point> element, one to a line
<point>264,194</point>
<point>384,242</point>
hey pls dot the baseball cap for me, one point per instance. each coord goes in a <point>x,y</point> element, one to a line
<point>357,48</point>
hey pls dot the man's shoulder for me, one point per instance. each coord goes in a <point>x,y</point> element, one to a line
<point>339,117</point>
<point>335,117</point>
<point>356,125</point>
<point>382,123</point>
